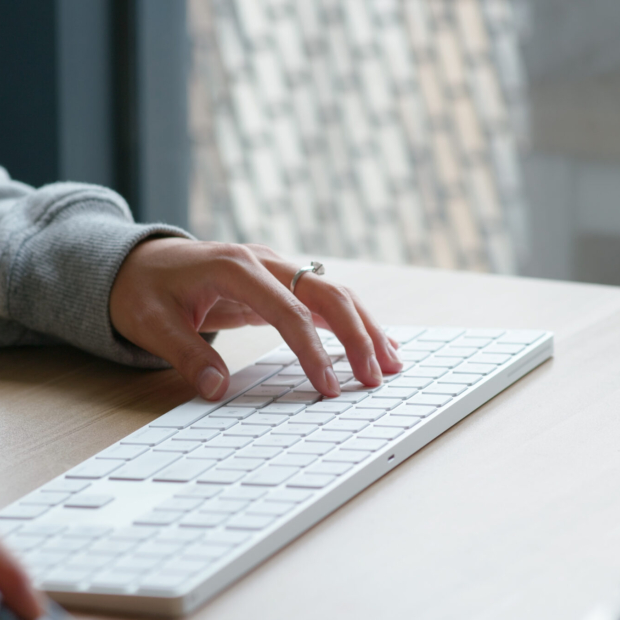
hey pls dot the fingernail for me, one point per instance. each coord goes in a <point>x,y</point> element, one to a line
<point>332,381</point>
<point>210,382</point>
<point>375,369</point>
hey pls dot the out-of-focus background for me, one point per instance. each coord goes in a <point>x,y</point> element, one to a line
<point>468,134</point>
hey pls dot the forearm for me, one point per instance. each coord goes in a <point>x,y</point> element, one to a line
<point>61,248</point>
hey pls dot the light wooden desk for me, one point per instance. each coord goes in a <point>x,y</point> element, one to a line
<point>513,513</point>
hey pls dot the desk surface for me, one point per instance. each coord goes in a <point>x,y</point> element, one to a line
<point>513,513</point>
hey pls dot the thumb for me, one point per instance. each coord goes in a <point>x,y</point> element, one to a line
<point>195,360</point>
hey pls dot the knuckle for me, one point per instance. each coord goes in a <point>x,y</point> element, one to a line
<point>299,312</point>
<point>188,356</point>
<point>339,293</point>
<point>234,257</point>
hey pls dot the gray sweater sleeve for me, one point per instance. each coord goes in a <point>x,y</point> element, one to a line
<point>61,247</point>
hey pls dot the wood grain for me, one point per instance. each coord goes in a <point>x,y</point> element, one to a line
<point>513,513</point>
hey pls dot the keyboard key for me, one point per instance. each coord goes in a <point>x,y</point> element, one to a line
<point>329,436</point>
<point>228,506</point>
<point>425,373</point>
<point>201,434</point>
<point>211,453</point>
<point>19,544</point>
<point>275,509</point>
<point>400,393</point>
<point>440,335</point>
<point>410,382</point>
<point>162,583</point>
<point>48,499</point>
<point>478,343</point>
<point>210,424</point>
<point>462,352</point>
<point>350,426</point>
<point>441,362</point>
<point>520,337</point>
<point>228,442</point>
<point>306,447</point>
<point>295,496</point>
<point>240,430</point>
<point>184,470</point>
<point>111,547</point>
<point>112,581</point>
<point>356,387</point>
<point>35,529</point>
<point>64,544</point>
<point>65,486</point>
<point>244,493</point>
<point>436,400</point>
<point>87,563</point>
<point>203,520</point>
<point>158,517</point>
<point>86,500</point>
<point>448,389</point>
<point>267,390</point>
<point>346,456</point>
<point>507,349</point>
<point>227,538</point>
<point>94,469</point>
<point>148,436</point>
<point>206,551</point>
<point>328,407</point>
<point>367,415</point>
<point>404,333</point>
<point>280,408</point>
<point>377,403</point>
<point>235,413</point>
<point>484,333</point>
<point>64,578</point>
<point>294,370</point>
<point>158,549</point>
<point>288,381</point>
<point>310,481</point>
<point>294,460</point>
<point>277,441</point>
<point>398,421</point>
<point>184,415</point>
<point>241,464</point>
<point>180,504</point>
<point>119,451</point>
<point>144,466</point>
<point>305,387</point>
<point>255,402</point>
<point>348,397</point>
<point>176,445</point>
<point>262,419</point>
<point>258,452</point>
<point>475,369</point>
<point>221,476</point>
<point>376,432</point>
<point>132,533</point>
<point>199,490</point>
<point>295,429</point>
<point>181,566</point>
<point>270,476</point>
<point>330,468</point>
<point>130,564</point>
<point>281,358</point>
<point>179,536</point>
<point>23,511</point>
<point>308,417</point>
<point>250,522</point>
<point>299,398</point>
<point>490,358</point>
<point>416,345</point>
<point>462,379</point>
<point>367,445</point>
<point>421,411</point>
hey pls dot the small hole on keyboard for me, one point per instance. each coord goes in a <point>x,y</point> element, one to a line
<point>391,458</point>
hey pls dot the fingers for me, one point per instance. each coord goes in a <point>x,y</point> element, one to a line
<point>228,314</point>
<point>247,281</point>
<point>16,590</point>
<point>369,350</point>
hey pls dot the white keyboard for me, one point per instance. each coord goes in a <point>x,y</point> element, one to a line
<point>165,518</point>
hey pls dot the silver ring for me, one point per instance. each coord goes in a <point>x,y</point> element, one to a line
<point>314,267</point>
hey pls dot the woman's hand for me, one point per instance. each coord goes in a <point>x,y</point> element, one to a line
<point>169,290</point>
<point>16,590</point>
